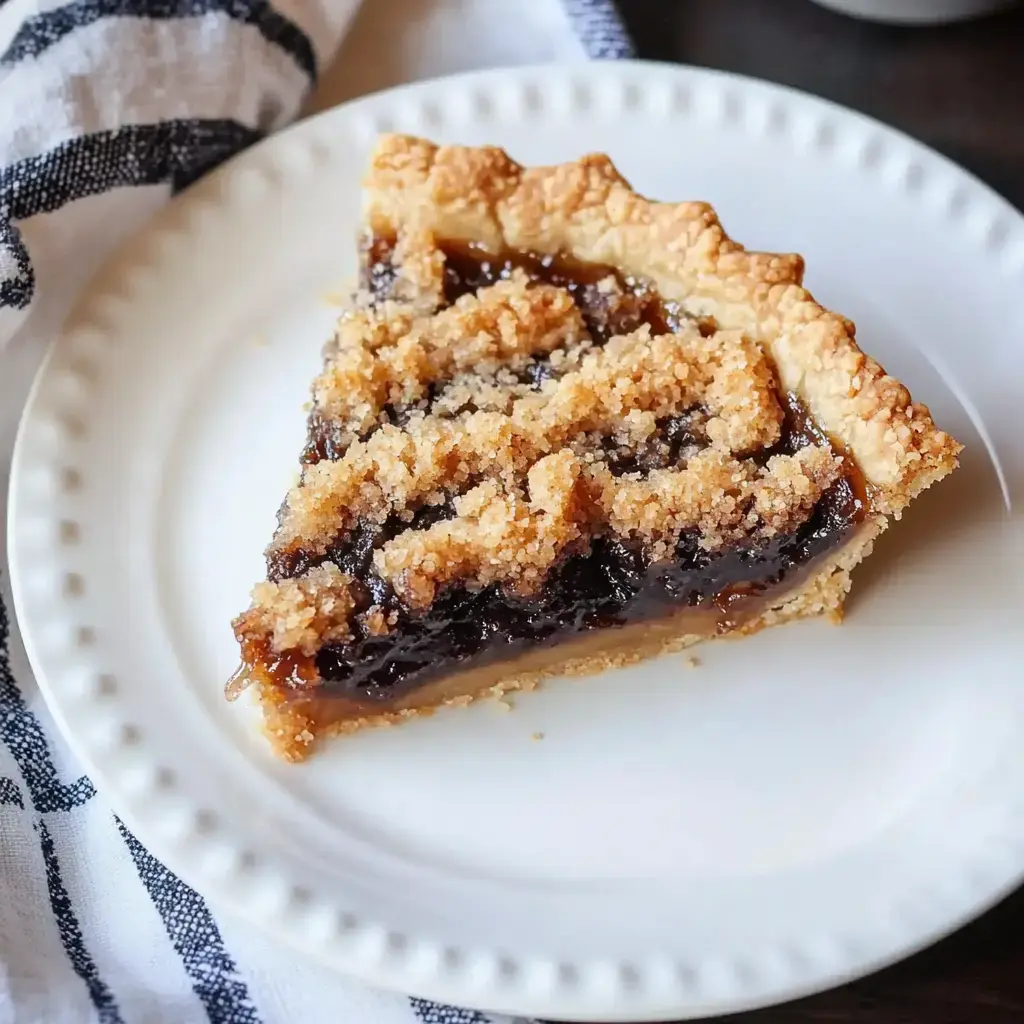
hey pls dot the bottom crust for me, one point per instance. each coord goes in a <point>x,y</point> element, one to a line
<point>294,722</point>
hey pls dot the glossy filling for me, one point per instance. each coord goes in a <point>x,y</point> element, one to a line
<point>610,583</point>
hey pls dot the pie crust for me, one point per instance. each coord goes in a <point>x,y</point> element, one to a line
<point>543,369</point>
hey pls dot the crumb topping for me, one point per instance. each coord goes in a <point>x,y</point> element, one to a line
<point>553,406</point>
<point>537,408</point>
<point>790,486</point>
<point>621,390</point>
<point>415,275</point>
<point>506,537</point>
<point>301,614</point>
<point>517,405</point>
<point>723,498</point>
<point>391,360</point>
<point>587,209</point>
<point>497,536</point>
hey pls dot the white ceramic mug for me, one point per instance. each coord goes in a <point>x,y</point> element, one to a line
<point>916,12</point>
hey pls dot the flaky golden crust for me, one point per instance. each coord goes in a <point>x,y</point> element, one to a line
<point>587,210</point>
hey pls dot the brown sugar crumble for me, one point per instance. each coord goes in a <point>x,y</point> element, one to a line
<point>492,437</point>
<point>512,445</point>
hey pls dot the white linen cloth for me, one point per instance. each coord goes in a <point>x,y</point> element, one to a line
<point>106,108</point>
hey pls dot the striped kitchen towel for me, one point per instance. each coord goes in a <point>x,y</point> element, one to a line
<point>106,108</point>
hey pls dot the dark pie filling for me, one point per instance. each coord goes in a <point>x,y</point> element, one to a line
<point>611,584</point>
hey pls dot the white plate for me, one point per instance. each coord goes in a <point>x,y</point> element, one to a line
<point>802,807</point>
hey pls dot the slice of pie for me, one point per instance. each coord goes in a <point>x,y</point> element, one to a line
<point>562,428</point>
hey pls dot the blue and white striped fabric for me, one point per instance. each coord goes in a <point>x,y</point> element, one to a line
<point>106,108</point>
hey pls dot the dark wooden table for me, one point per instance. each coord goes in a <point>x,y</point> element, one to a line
<point>961,90</point>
